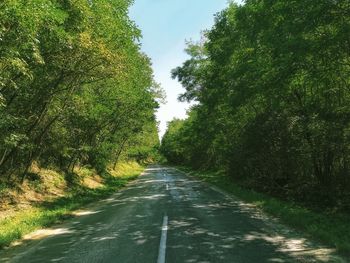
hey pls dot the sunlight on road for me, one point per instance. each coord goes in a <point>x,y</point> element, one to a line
<point>43,233</point>
<point>85,213</point>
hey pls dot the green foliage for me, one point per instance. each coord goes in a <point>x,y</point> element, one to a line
<point>74,85</point>
<point>172,148</point>
<point>272,84</point>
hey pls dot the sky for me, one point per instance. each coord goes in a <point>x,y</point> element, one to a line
<point>165,26</point>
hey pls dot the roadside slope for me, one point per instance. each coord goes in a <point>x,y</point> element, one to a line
<point>50,199</point>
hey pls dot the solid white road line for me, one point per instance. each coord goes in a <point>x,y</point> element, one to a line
<point>162,245</point>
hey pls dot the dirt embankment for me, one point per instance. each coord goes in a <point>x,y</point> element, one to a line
<point>41,185</point>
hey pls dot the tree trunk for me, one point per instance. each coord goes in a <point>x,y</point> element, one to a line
<point>119,152</point>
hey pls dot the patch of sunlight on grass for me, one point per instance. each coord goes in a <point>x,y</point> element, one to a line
<point>85,172</point>
<point>126,170</point>
<point>259,203</point>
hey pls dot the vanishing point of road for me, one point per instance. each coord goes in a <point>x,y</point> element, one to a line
<point>166,216</point>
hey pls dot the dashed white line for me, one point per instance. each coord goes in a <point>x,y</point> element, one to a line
<point>162,245</point>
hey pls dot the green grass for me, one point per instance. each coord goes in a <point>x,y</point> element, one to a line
<point>51,212</point>
<point>332,229</point>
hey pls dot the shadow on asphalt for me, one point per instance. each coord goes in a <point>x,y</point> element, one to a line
<point>204,226</point>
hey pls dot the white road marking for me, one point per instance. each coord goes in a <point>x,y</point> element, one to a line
<point>167,187</point>
<point>162,245</point>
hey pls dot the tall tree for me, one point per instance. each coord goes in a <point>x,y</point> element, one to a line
<point>74,84</point>
<point>272,84</point>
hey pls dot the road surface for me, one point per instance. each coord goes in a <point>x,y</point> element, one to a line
<point>166,216</point>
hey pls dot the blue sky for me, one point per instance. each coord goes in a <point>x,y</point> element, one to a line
<point>166,25</point>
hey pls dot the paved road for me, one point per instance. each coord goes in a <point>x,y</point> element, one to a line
<point>166,216</point>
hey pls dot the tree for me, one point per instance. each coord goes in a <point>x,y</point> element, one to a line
<point>272,84</point>
<point>74,85</point>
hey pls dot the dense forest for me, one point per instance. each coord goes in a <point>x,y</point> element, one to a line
<point>271,86</point>
<point>75,89</point>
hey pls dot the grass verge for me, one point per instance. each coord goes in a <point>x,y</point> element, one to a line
<point>50,212</point>
<point>332,229</point>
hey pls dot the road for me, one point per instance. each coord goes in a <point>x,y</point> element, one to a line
<point>166,216</point>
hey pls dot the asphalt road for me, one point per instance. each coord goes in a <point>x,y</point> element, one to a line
<point>166,216</point>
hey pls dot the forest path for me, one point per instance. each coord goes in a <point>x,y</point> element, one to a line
<point>166,216</point>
